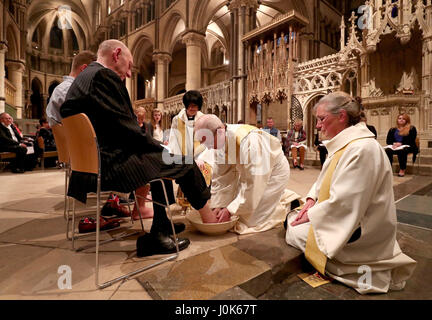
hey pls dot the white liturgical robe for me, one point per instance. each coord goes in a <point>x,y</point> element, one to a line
<point>252,181</point>
<point>181,139</point>
<point>361,202</point>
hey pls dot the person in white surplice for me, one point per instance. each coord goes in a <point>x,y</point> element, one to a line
<point>250,174</point>
<point>350,214</point>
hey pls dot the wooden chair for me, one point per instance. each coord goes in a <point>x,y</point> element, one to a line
<point>63,158</point>
<point>85,157</point>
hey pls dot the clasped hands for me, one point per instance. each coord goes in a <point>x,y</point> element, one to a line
<point>302,216</point>
<point>396,145</point>
<point>222,214</point>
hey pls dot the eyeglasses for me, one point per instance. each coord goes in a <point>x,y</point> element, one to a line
<point>321,119</point>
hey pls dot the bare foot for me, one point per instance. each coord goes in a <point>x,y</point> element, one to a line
<point>146,213</point>
<point>209,218</point>
<point>208,215</point>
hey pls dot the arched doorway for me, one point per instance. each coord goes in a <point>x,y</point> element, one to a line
<point>51,89</point>
<point>36,99</point>
<point>309,121</point>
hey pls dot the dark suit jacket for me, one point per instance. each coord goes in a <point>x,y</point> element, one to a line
<point>6,141</point>
<point>129,157</point>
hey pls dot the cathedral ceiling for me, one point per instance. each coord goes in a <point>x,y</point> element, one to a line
<point>45,12</point>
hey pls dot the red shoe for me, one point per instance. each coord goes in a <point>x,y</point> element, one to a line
<point>88,224</point>
<point>113,209</point>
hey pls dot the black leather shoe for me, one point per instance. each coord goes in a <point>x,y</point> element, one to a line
<point>178,227</point>
<point>160,243</point>
<point>17,170</point>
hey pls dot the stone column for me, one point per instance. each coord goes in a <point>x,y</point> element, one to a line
<point>161,60</point>
<point>427,83</point>
<point>16,70</point>
<point>3,49</point>
<point>243,19</point>
<point>193,41</point>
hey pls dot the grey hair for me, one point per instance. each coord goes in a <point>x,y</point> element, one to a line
<point>336,101</point>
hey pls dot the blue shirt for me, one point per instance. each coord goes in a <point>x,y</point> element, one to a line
<point>57,98</point>
<point>397,136</point>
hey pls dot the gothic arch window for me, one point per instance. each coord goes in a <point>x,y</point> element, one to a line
<point>333,80</point>
<point>350,83</point>
<point>122,27</point>
<point>217,54</point>
<point>138,17</point>
<point>56,36</point>
<point>150,11</point>
<point>98,14</point>
<point>72,42</point>
<point>318,82</point>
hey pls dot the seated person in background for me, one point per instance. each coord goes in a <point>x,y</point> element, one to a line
<point>320,147</point>
<point>401,141</point>
<point>272,130</point>
<point>348,224</point>
<point>129,158</point>
<point>157,129</point>
<point>371,128</point>
<point>79,63</point>
<point>295,141</point>
<point>11,140</point>
<point>45,142</point>
<point>250,174</point>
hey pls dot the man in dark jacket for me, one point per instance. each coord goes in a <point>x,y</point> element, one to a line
<point>12,141</point>
<point>129,158</point>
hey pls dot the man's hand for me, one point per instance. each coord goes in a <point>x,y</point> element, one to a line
<point>302,216</point>
<point>23,145</point>
<point>223,215</point>
<point>200,164</point>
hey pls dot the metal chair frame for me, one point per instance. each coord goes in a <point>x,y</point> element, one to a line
<point>95,168</point>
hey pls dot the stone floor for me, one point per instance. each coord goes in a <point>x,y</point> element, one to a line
<point>33,247</point>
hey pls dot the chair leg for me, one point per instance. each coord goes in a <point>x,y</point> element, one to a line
<point>138,208</point>
<point>130,274</point>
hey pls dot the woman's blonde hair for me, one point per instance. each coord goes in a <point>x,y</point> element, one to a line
<point>404,131</point>
<point>152,120</point>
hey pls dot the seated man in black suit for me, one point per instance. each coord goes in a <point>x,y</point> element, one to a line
<point>12,141</point>
<point>130,158</point>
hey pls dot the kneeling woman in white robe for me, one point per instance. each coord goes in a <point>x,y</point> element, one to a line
<point>350,215</point>
<point>250,175</point>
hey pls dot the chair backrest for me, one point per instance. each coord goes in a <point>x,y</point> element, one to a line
<point>41,143</point>
<point>61,143</point>
<point>82,143</point>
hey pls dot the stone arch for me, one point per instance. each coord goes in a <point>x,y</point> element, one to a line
<point>171,31</point>
<point>309,119</point>
<point>350,82</point>
<point>203,14</point>
<point>36,107</point>
<point>177,89</point>
<point>13,51</point>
